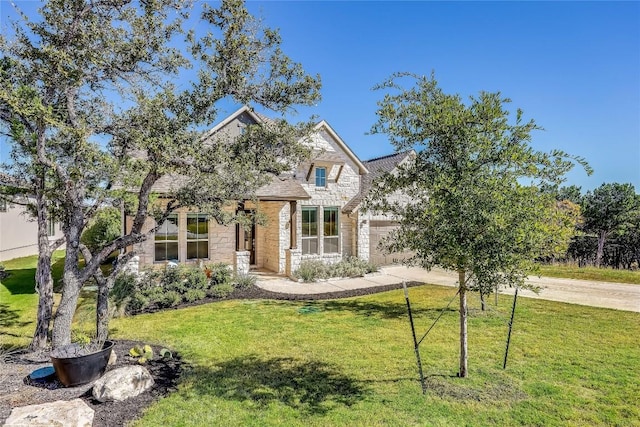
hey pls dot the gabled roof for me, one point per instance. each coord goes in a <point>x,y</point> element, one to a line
<point>377,167</point>
<point>259,118</point>
<point>362,169</point>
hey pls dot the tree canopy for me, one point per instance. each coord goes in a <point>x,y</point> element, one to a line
<point>473,199</point>
<point>92,96</point>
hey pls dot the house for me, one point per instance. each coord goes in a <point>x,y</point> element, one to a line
<point>19,232</point>
<point>312,212</point>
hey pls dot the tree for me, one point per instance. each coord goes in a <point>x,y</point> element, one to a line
<point>572,193</point>
<point>102,81</point>
<point>473,201</point>
<point>605,210</point>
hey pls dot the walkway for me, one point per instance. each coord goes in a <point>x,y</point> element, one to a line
<point>584,292</point>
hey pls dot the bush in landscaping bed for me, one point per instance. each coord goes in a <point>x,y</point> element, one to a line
<point>169,287</point>
<point>312,270</point>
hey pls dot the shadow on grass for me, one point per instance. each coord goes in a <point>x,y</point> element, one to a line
<point>21,281</point>
<point>377,309</point>
<point>9,317</point>
<point>311,387</point>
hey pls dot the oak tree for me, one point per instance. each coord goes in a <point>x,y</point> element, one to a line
<point>472,199</point>
<point>115,94</point>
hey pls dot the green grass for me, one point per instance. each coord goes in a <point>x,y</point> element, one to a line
<point>19,301</point>
<point>350,362</point>
<point>591,273</point>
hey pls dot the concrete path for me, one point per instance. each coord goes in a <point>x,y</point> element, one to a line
<point>583,292</point>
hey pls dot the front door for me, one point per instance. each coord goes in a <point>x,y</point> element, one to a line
<point>246,238</point>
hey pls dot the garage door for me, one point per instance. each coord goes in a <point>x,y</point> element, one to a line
<point>377,231</point>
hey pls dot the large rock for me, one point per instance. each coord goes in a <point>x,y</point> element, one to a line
<point>122,383</point>
<point>72,413</point>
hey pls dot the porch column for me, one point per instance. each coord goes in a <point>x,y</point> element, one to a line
<point>294,257</point>
<point>241,260</point>
<point>293,224</point>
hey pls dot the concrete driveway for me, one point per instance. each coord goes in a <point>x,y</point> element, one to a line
<point>584,292</point>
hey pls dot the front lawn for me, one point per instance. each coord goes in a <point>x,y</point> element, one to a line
<point>350,362</point>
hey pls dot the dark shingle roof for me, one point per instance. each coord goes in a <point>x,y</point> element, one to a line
<point>377,167</point>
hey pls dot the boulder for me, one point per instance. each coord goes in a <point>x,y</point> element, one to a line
<point>72,413</point>
<point>122,383</point>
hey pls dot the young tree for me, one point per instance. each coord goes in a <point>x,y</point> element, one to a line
<point>606,209</point>
<point>103,79</point>
<point>472,201</point>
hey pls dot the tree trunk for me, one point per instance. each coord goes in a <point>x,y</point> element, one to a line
<point>102,310</point>
<point>601,240</point>
<point>483,302</point>
<point>44,281</point>
<point>463,324</point>
<point>67,308</point>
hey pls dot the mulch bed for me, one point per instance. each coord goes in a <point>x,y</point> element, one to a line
<point>16,391</point>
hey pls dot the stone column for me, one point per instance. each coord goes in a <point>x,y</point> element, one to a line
<point>241,261</point>
<point>363,238</point>
<point>294,257</point>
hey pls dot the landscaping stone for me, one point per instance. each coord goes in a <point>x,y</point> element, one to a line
<point>113,358</point>
<point>122,383</point>
<point>72,413</point>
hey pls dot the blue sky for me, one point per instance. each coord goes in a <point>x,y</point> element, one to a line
<point>574,67</point>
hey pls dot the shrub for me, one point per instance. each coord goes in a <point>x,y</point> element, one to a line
<point>173,279</point>
<point>194,295</point>
<point>311,270</point>
<point>244,281</point>
<point>3,272</point>
<point>222,290</point>
<point>161,288</point>
<point>137,302</point>
<point>195,278</point>
<point>124,286</point>
<point>218,273</point>
<point>352,267</point>
<point>170,299</point>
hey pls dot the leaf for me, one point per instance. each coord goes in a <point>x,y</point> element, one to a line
<point>166,354</point>
<point>135,352</point>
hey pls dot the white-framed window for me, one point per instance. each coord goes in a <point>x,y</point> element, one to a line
<point>309,230</point>
<point>331,230</point>
<point>321,177</point>
<point>197,236</point>
<point>166,240</point>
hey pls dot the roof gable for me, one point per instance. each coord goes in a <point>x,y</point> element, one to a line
<point>377,167</point>
<point>323,125</point>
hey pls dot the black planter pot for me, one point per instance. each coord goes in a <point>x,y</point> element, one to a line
<point>74,368</point>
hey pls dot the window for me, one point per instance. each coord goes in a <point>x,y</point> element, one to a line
<point>331,230</point>
<point>197,236</point>
<point>321,177</point>
<point>166,243</point>
<point>309,230</point>
<point>52,228</point>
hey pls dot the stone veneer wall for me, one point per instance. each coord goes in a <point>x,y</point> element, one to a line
<point>274,239</point>
<point>334,194</point>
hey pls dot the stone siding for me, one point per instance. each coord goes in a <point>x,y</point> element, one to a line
<point>343,183</point>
